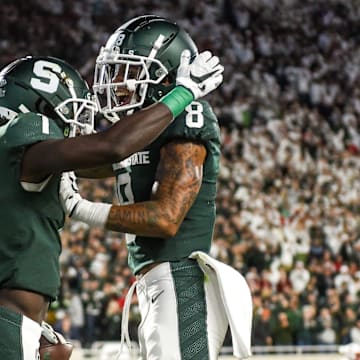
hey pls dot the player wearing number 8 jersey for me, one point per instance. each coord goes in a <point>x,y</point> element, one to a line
<point>186,157</point>
<point>179,181</point>
<point>44,103</point>
<point>167,190</point>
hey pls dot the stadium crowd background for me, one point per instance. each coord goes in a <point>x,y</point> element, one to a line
<point>288,195</point>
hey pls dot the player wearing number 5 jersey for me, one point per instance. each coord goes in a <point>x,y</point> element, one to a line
<point>44,103</point>
<point>167,191</point>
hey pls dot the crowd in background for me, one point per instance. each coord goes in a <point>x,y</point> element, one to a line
<point>288,192</point>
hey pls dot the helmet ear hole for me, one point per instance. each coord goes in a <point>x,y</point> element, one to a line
<point>168,80</point>
<point>3,120</point>
<point>150,92</point>
<point>43,107</point>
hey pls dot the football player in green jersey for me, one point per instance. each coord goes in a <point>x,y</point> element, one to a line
<point>167,191</point>
<point>44,103</point>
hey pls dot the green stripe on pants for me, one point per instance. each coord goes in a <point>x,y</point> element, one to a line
<point>190,293</point>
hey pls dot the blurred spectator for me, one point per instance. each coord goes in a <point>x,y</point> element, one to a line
<point>306,334</point>
<point>348,322</point>
<point>355,332</point>
<point>262,327</point>
<point>343,281</point>
<point>282,332</point>
<point>299,277</point>
<point>289,111</point>
<point>327,333</point>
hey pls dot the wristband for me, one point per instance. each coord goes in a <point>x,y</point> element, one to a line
<point>177,100</point>
<point>94,214</point>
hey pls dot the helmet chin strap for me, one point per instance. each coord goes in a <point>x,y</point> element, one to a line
<point>130,111</point>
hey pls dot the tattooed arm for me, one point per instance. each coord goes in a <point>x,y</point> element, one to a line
<point>179,177</point>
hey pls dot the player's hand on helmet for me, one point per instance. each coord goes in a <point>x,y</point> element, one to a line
<point>69,192</point>
<point>203,75</point>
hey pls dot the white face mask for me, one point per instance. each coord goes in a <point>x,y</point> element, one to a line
<point>83,111</point>
<point>121,80</point>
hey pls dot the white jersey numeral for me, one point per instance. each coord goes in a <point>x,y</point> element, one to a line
<point>124,190</point>
<point>194,117</point>
<point>45,126</point>
<point>125,196</point>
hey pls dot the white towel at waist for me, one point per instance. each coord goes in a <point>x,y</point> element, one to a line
<point>236,298</point>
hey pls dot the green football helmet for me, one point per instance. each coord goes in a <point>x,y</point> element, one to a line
<point>138,64</point>
<point>48,86</point>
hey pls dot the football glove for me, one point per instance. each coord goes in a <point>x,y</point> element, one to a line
<point>69,192</point>
<point>48,333</point>
<point>201,76</point>
<point>53,345</point>
<point>94,214</point>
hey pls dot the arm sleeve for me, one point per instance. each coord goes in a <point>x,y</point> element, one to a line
<point>29,128</point>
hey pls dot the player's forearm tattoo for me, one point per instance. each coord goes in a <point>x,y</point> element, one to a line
<point>130,217</point>
<point>179,175</point>
<point>136,217</point>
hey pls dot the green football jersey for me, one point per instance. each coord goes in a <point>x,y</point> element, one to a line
<point>29,221</point>
<point>135,178</point>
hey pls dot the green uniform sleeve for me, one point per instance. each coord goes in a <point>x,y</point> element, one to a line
<point>197,122</point>
<point>29,128</point>
<point>29,221</point>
